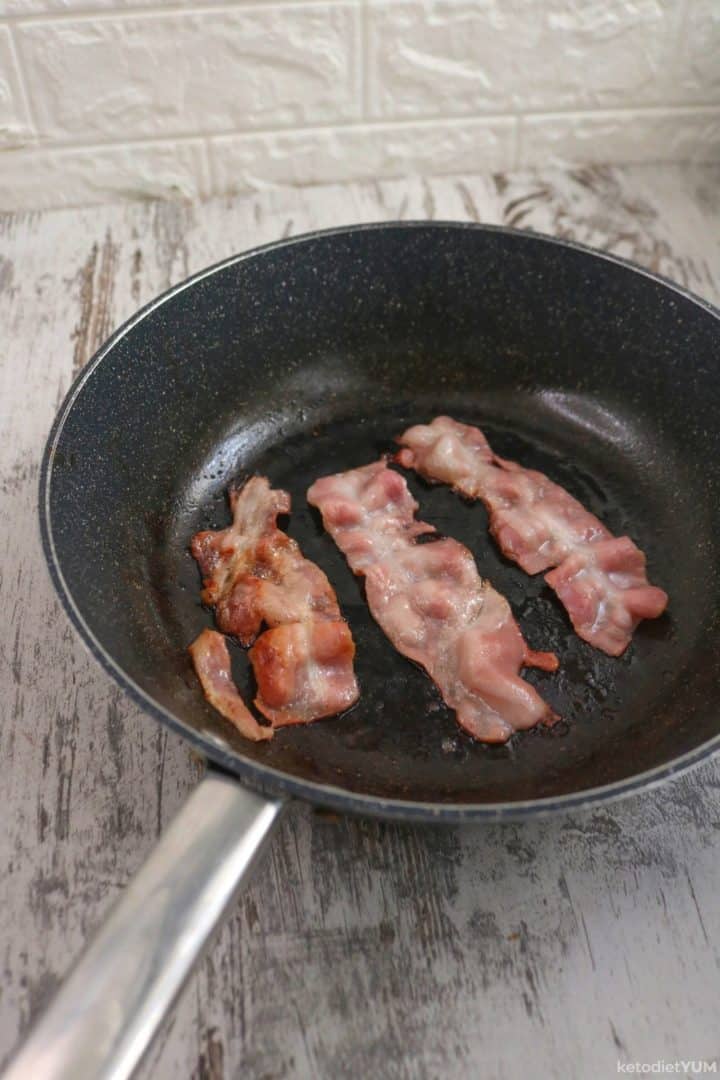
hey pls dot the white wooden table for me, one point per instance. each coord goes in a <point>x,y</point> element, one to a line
<point>550,949</point>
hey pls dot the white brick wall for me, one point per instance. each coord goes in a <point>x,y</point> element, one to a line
<point>101,99</point>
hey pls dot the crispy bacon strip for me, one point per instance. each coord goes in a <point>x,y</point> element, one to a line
<point>211,658</point>
<point>600,579</point>
<point>431,602</point>
<point>253,575</point>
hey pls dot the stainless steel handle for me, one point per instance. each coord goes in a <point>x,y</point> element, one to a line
<point>106,1013</point>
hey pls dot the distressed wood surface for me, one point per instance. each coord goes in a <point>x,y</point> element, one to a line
<point>552,949</point>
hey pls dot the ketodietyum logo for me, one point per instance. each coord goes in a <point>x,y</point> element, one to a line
<point>679,1068</point>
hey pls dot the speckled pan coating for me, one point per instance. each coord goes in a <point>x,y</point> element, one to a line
<point>306,357</point>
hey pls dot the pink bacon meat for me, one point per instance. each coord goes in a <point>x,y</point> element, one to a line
<point>431,602</point>
<point>255,575</point>
<point>599,578</point>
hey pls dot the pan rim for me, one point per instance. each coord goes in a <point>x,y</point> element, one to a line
<point>274,781</point>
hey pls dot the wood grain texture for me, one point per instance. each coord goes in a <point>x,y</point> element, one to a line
<point>551,949</point>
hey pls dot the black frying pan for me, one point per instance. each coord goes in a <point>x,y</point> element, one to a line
<point>308,356</point>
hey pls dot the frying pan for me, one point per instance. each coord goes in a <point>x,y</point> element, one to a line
<point>306,357</point>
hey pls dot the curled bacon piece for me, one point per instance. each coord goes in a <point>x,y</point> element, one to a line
<point>255,575</point>
<point>211,658</point>
<point>600,579</point>
<point>431,602</point>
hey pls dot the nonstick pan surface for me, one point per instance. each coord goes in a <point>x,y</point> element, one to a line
<point>309,356</point>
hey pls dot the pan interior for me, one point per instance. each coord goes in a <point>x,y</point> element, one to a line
<point>308,359</point>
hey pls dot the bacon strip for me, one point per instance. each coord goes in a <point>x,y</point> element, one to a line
<point>600,579</point>
<point>211,658</point>
<point>431,602</point>
<point>253,575</point>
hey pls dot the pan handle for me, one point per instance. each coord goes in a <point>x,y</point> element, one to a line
<point>106,1013</point>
